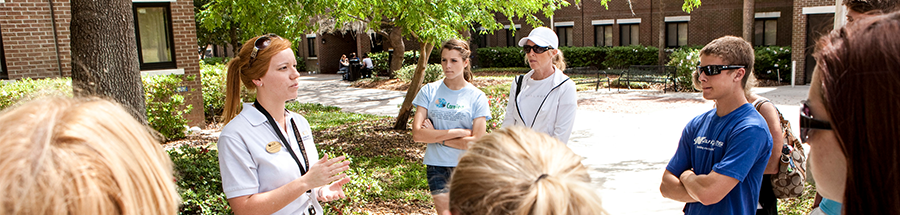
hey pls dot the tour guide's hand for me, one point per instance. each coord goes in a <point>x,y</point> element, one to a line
<point>334,191</point>
<point>325,171</point>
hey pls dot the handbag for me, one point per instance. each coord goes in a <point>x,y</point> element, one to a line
<point>789,181</point>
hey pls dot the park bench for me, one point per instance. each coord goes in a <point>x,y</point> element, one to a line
<point>588,75</point>
<point>650,74</point>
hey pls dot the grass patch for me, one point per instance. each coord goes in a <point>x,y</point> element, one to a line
<point>801,205</point>
<point>321,117</point>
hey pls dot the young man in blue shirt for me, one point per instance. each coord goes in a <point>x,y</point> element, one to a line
<point>719,163</point>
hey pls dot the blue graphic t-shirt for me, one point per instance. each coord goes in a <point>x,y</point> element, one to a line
<point>736,145</point>
<point>449,109</point>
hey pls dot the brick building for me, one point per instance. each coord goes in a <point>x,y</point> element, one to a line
<point>35,41</point>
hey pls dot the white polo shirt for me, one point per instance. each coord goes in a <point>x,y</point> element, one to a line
<point>247,168</point>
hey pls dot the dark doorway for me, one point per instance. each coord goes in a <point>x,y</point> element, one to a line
<point>3,73</point>
<point>816,26</point>
<point>377,44</point>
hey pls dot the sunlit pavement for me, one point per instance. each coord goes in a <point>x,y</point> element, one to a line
<point>626,154</point>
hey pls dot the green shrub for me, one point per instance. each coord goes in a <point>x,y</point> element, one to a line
<point>502,70</point>
<point>623,56</point>
<point>500,57</point>
<point>685,61</point>
<point>215,60</point>
<point>769,56</point>
<point>301,64</point>
<point>26,89</point>
<point>212,77</point>
<point>198,181</point>
<point>383,66</point>
<point>498,96</point>
<point>433,72</point>
<point>584,56</point>
<point>164,105</point>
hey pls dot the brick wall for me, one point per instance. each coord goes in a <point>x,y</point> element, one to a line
<point>28,41</point>
<point>710,21</point>
<point>31,51</point>
<point>798,41</point>
<point>186,57</point>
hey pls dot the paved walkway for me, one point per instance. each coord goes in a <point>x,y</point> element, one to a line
<point>626,153</point>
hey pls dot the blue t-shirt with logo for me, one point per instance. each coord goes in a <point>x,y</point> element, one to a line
<point>736,145</point>
<point>449,109</point>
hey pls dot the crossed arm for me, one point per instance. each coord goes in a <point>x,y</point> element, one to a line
<point>689,187</point>
<point>458,138</point>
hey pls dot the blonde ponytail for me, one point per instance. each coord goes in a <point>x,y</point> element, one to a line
<point>522,172</point>
<point>559,61</point>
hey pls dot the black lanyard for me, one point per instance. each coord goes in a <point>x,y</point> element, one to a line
<point>284,140</point>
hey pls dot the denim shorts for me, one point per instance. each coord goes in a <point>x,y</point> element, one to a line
<point>438,178</point>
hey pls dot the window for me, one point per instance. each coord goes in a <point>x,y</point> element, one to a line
<point>764,32</point>
<point>565,36</point>
<point>628,34</point>
<point>676,34</point>
<point>481,39</point>
<point>311,45</point>
<point>3,73</point>
<point>510,38</point>
<point>153,26</point>
<point>603,35</point>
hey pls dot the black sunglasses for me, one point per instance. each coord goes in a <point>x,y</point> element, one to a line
<point>260,44</point>
<point>536,49</point>
<point>807,122</point>
<point>711,70</point>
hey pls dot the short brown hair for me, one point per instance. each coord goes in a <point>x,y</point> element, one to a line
<point>734,51</point>
<point>866,6</point>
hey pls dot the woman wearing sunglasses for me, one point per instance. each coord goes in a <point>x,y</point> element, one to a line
<point>450,113</point>
<point>543,99</point>
<point>267,157</point>
<point>851,118</point>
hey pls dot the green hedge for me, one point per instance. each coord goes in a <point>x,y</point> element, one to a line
<point>621,57</point>
<point>503,70</point>
<point>501,57</point>
<point>686,59</point>
<point>26,89</point>
<point>165,107</point>
<point>433,73</point>
<point>382,65</point>
<point>198,181</point>
<point>584,56</point>
<point>769,56</point>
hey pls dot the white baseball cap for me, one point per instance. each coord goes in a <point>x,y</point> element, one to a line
<point>541,36</point>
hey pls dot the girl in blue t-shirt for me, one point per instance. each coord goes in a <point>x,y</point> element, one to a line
<point>450,113</point>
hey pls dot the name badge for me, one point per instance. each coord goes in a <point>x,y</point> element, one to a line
<point>273,147</point>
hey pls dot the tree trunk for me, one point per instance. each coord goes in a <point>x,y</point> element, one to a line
<point>104,54</point>
<point>414,86</point>
<point>748,20</point>
<point>397,43</point>
<point>233,38</point>
<point>662,34</point>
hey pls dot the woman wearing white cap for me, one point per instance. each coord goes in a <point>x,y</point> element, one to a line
<point>543,99</point>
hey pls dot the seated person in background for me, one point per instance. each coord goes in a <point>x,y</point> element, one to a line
<point>81,156</point>
<point>517,170</point>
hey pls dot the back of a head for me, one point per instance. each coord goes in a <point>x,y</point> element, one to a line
<point>516,170</point>
<point>870,6</point>
<point>81,156</point>
<point>734,51</point>
<point>859,67</point>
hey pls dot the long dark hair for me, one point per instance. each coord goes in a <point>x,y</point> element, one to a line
<point>464,53</point>
<point>860,73</point>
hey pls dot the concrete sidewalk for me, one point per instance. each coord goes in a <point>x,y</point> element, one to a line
<point>626,154</point>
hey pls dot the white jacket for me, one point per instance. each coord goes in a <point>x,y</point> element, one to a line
<point>557,114</point>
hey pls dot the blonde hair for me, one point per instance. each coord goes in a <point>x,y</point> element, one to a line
<point>241,70</point>
<point>464,53</point>
<point>734,51</point>
<point>81,156</point>
<point>516,170</point>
